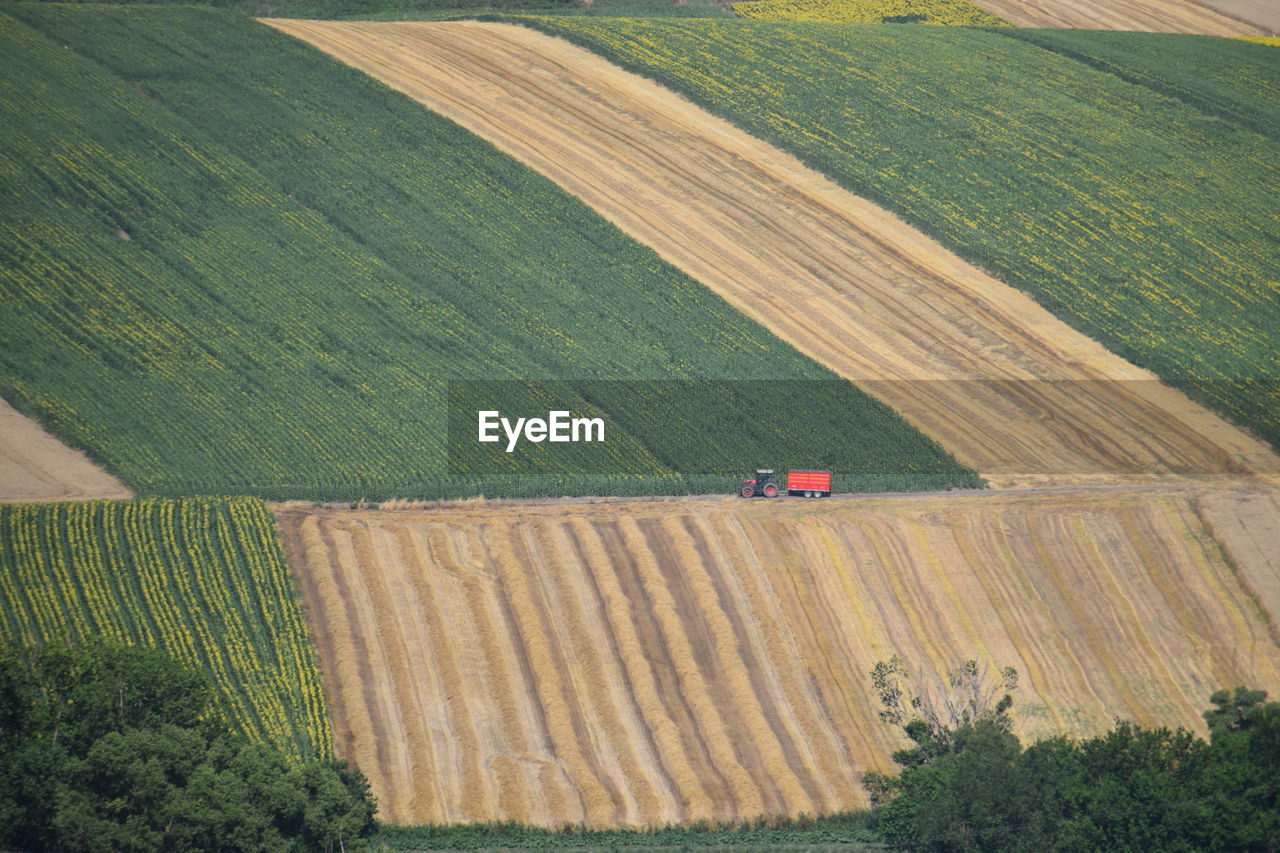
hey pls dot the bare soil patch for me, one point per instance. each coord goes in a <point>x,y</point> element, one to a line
<point>35,466</point>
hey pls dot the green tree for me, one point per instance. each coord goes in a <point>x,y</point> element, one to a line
<point>931,711</point>
<point>967,784</point>
<point>973,787</point>
<point>1242,779</point>
<point>119,748</point>
<point>953,791</point>
<point>1138,789</point>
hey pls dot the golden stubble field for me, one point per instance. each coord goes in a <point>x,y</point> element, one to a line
<point>976,365</point>
<point>644,661</point>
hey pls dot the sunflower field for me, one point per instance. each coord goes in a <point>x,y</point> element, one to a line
<point>950,12</point>
<point>203,579</point>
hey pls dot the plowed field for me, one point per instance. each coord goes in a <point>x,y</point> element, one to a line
<point>35,466</point>
<point>971,362</point>
<point>673,660</point>
<point>1236,18</point>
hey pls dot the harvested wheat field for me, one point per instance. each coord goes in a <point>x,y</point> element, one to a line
<point>628,662</point>
<point>35,466</point>
<point>1210,18</point>
<point>1264,13</point>
<point>1012,391</point>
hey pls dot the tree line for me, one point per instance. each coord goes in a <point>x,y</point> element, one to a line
<point>121,748</point>
<point>967,783</point>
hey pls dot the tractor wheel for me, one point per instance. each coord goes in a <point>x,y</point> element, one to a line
<point>748,492</point>
<point>771,490</point>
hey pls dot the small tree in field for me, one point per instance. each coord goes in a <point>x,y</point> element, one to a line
<point>971,693</point>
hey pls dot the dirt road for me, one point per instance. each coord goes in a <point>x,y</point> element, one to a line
<point>673,661</point>
<point>978,366</point>
<point>1210,18</point>
<point>35,466</point>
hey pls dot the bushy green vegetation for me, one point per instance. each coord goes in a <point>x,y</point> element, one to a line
<point>1126,180</point>
<point>1130,789</point>
<point>114,748</point>
<point>203,579</point>
<point>260,276</point>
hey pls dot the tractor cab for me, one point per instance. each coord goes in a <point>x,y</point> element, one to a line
<point>763,484</point>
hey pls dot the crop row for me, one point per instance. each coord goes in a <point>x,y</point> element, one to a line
<point>1122,179</point>
<point>261,277</point>
<point>203,579</point>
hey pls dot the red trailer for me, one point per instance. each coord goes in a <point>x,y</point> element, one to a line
<point>809,484</point>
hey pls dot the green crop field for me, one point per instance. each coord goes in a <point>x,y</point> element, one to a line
<point>203,579</point>
<point>1125,180</point>
<point>261,276</point>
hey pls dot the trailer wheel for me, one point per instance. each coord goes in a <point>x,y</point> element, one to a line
<point>748,492</point>
<point>771,490</point>
<point>808,493</point>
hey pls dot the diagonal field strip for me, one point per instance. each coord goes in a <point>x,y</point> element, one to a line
<point>642,662</point>
<point>1231,18</point>
<point>974,364</point>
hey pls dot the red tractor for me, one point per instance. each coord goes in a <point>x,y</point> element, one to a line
<point>763,483</point>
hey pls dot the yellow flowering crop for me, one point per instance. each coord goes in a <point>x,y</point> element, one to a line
<point>203,579</point>
<point>954,12</point>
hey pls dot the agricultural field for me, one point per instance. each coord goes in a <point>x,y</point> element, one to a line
<point>620,663</point>
<point>1261,13</point>
<point>35,466</point>
<point>1136,210</point>
<point>433,10</point>
<point>203,579</point>
<point>979,367</point>
<point>1211,17</point>
<point>954,12</point>
<point>1206,76</point>
<point>392,255</point>
<point>949,256</point>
